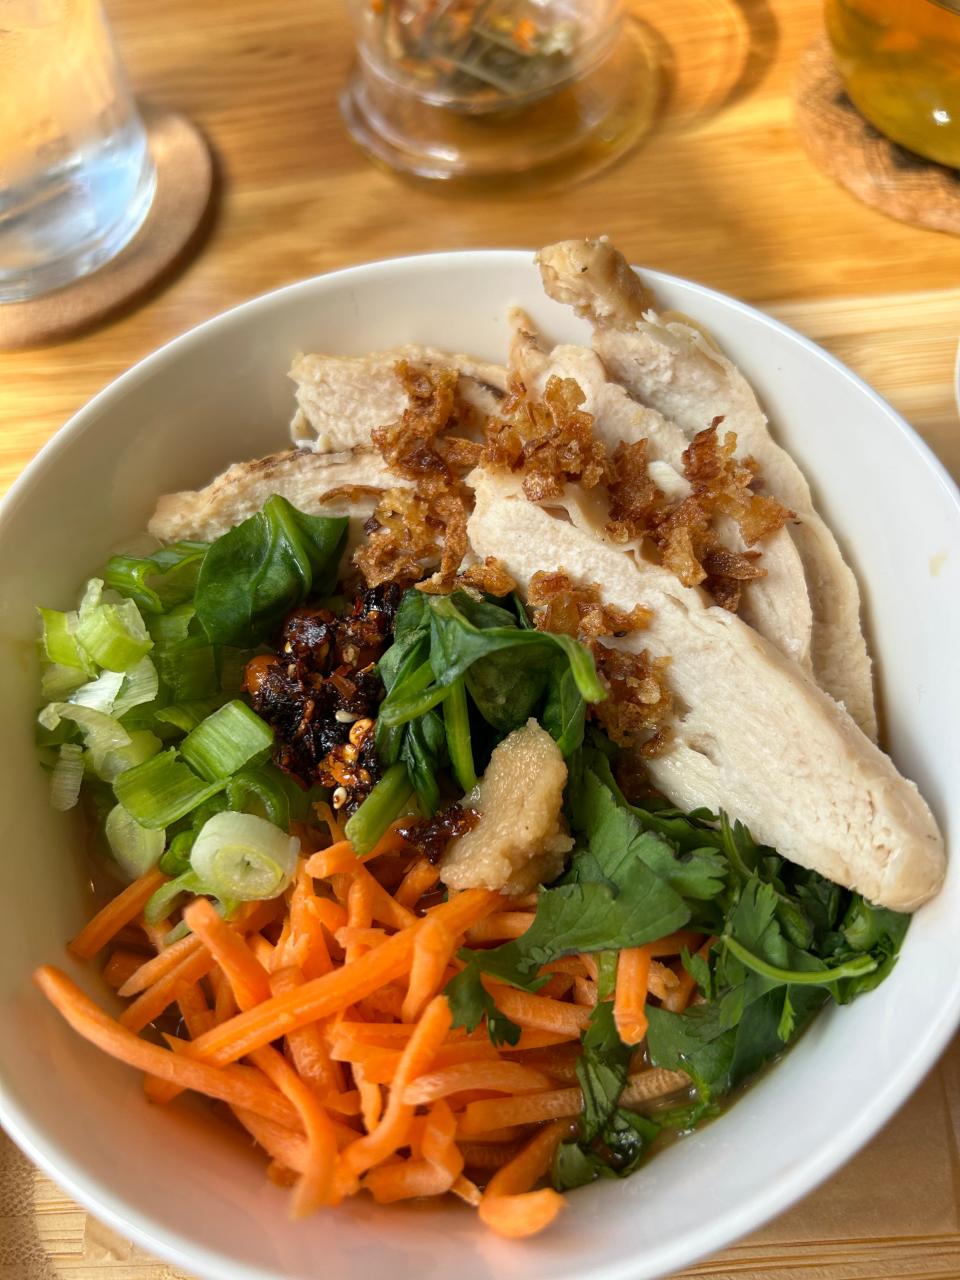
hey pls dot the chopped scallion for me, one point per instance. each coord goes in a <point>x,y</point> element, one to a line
<point>241,856</point>
<point>67,776</point>
<point>135,848</point>
<point>163,789</point>
<point>229,739</point>
<point>384,803</point>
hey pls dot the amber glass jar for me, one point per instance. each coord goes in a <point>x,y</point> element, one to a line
<point>900,62</point>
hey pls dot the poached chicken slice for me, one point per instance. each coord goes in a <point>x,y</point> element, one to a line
<point>755,735</point>
<point>672,367</point>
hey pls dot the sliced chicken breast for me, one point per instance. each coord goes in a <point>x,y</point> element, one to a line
<point>672,367</point>
<point>299,475</point>
<point>777,605</point>
<point>755,735</point>
<point>341,399</point>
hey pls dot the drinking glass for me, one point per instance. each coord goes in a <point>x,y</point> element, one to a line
<point>478,88</point>
<point>76,177</point>
<point>900,63</point>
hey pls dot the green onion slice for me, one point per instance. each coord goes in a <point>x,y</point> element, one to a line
<point>228,740</point>
<point>163,789</point>
<point>241,856</point>
<point>67,776</point>
<point>135,848</point>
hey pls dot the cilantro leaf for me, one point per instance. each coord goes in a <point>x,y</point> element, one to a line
<point>470,1003</point>
<point>602,1071</point>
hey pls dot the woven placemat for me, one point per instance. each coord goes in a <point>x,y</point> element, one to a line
<point>855,154</point>
<point>173,225</point>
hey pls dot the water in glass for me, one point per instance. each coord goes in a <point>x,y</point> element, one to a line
<point>76,178</point>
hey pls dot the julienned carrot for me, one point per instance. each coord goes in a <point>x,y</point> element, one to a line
<point>120,911</point>
<point>585,992</point>
<point>487,1155</point>
<point>122,964</point>
<point>246,975</point>
<point>391,1132</point>
<point>538,1011</point>
<point>371,1099</point>
<point>510,1206</point>
<point>307,1045</point>
<point>532,1108</point>
<point>238,1086</point>
<point>630,996</point>
<point>497,1077</point>
<point>420,879</point>
<point>500,926</point>
<point>530,1164</point>
<point>150,1004</point>
<point>432,952</point>
<point>328,913</point>
<point>521,1215</point>
<point>306,946</point>
<point>407,1180</point>
<point>197,1014</point>
<point>340,859</point>
<point>439,1141</point>
<point>153,969</point>
<point>335,991</point>
<point>467,1191</point>
<point>316,1185</point>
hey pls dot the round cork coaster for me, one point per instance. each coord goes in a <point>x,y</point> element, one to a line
<point>855,154</point>
<point>172,227</point>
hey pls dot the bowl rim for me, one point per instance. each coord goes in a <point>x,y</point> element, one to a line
<point>719,1231</point>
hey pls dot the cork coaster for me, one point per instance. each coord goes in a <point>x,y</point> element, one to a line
<point>855,154</point>
<point>173,225</point>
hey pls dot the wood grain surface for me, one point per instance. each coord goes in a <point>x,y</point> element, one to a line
<point>720,192</point>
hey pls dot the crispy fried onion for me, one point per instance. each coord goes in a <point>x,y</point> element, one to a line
<point>414,530</point>
<point>559,606</point>
<point>637,711</point>
<point>490,577</point>
<point>550,441</point>
<point>683,529</point>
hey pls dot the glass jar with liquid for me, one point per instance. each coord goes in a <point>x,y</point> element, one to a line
<point>900,63</point>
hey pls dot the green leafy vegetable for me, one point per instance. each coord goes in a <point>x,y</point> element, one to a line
<point>257,572</point>
<point>470,1003</point>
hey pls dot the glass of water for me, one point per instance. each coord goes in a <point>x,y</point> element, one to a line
<point>76,177</point>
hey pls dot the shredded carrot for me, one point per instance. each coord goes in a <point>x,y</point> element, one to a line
<point>247,977</point>
<point>521,1215</point>
<point>498,927</point>
<point>509,1205</point>
<point>629,1001</point>
<point>335,991</point>
<point>121,966</point>
<point>420,879</point>
<point>394,1127</point>
<point>153,969</point>
<point>236,1085</point>
<point>123,909</point>
<point>504,1113</point>
<point>497,1077</point>
<point>538,1011</point>
<point>307,1045</point>
<point>149,1005</point>
<point>432,952</point>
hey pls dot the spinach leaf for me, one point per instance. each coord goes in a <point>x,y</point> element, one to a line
<point>564,712</point>
<point>265,567</point>
<point>507,685</point>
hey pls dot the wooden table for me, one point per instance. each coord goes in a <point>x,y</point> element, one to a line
<point>721,193</point>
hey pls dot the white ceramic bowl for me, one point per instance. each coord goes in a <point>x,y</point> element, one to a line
<point>177,1181</point>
